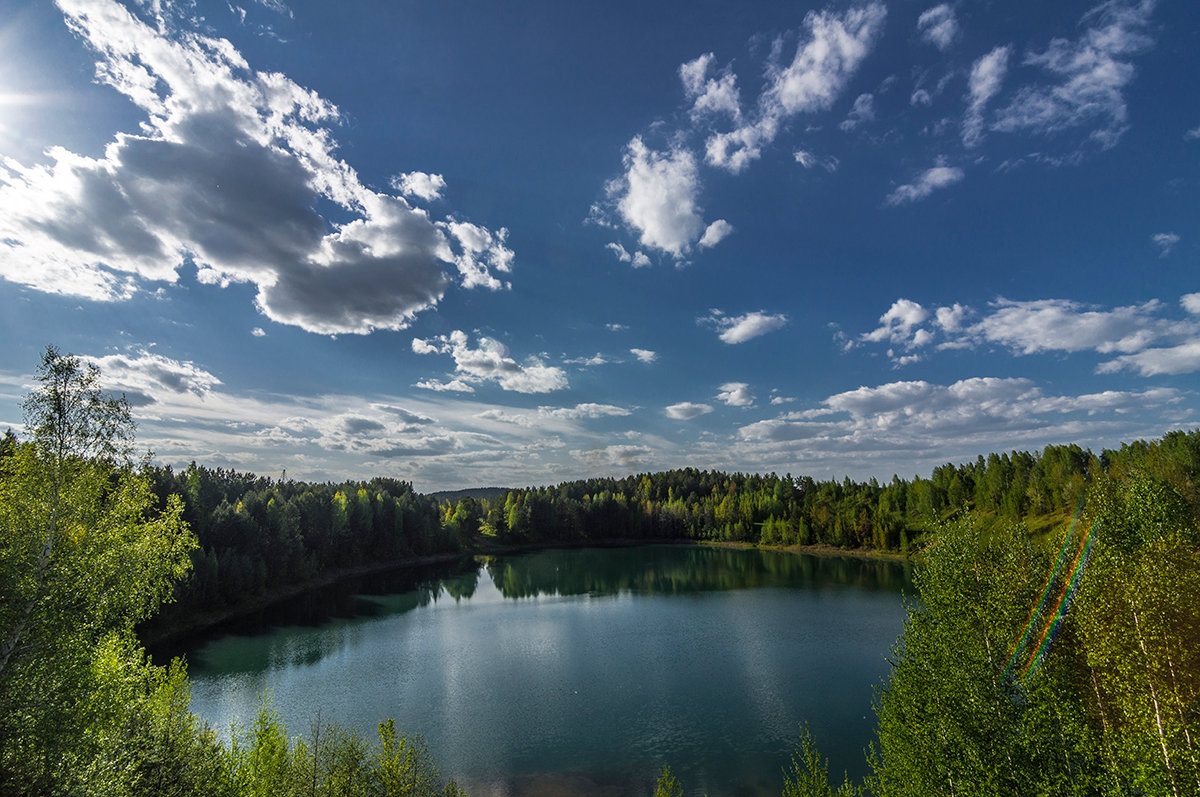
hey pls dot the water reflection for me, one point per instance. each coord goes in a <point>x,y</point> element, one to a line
<point>299,628</point>
<point>672,570</point>
<point>305,629</point>
<point>582,669</point>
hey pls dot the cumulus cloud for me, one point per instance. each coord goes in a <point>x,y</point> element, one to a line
<point>710,95</point>
<point>938,26</point>
<point>715,233</point>
<point>1143,336</point>
<point>420,185</point>
<point>987,75</point>
<point>637,259</point>
<point>225,172</point>
<point>951,318</point>
<point>739,329</point>
<point>829,51</point>
<point>898,323</point>
<point>1181,359</point>
<point>258,332</point>
<point>918,415</point>
<point>929,181</point>
<point>736,394</point>
<point>686,410</point>
<point>1063,325</point>
<point>808,160</point>
<point>644,355</point>
<point>586,410</point>
<point>624,456</point>
<point>153,375</point>
<point>1085,77</point>
<point>657,197</point>
<point>452,386</point>
<point>1165,241</point>
<point>490,361</point>
<point>862,112</point>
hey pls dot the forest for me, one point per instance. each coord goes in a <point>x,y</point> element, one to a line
<point>1054,646</point>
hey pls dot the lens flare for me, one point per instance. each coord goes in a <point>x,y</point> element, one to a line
<point>1050,622</point>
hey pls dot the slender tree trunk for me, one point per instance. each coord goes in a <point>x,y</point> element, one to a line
<point>1162,737</point>
<point>1187,734</point>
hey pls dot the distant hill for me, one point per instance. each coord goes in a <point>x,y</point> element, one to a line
<point>454,496</point>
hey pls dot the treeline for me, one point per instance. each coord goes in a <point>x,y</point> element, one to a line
<point>256,534</point>
<point>773,510</point>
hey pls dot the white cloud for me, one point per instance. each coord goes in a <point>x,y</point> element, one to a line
<point>588,362</point>
<point>1165,241</point>
<point>686,410</point>
<point>828,52</point>
<point>898,322</point>
<point>921,97</point>
<point>657,197</point>
<point>1062,325</point>
<point>1146,340</point>
<point>420,185</point>
<point>808,160</point>
<point>715,233</point>
<point>149,376</point>
<point>832,51</point>
<point>1087,77</point>
<point>862,112</point>
<point>586,410</point>
<point>225,172</point>
<point>929,181</point>
<point>620,252</point>
<point>258,332</point>
<point>1181,359</point>
<point>629,457</point>
<point>739,329</point>
<point>481,250</point>
<point>453,386</point>
<point>644,355</point>
<point>951,318</point>
<point>1193,134</point>
<point>489,362</point>
<point>986,77</point>
<point>903,419</point>
<point>736,394</point>
<point>711,96</point>
<point>938,26</point>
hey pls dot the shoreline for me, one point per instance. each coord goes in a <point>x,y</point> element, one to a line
<point>206,620</point>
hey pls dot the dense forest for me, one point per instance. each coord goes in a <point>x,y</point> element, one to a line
<point>1054,648</point>
<point>257,535</point>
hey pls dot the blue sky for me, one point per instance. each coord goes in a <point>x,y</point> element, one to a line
<point>467,243</point>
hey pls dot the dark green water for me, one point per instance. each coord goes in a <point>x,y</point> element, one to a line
<point>583,671</point>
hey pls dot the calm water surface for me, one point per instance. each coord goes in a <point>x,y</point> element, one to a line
<point>582,671</point>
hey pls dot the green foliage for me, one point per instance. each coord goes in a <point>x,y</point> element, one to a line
<point>1107,706</point>
<point>807,774</point>
<point>83,557</point>
<point>667,784</point>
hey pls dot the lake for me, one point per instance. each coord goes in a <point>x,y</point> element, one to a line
<point>582,671</point>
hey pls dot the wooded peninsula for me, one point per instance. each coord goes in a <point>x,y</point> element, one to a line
<point>1054,647</point>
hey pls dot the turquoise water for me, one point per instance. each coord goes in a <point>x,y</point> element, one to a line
<point>583,671</point>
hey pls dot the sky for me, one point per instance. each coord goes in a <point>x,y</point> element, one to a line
<point>507,244</point>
